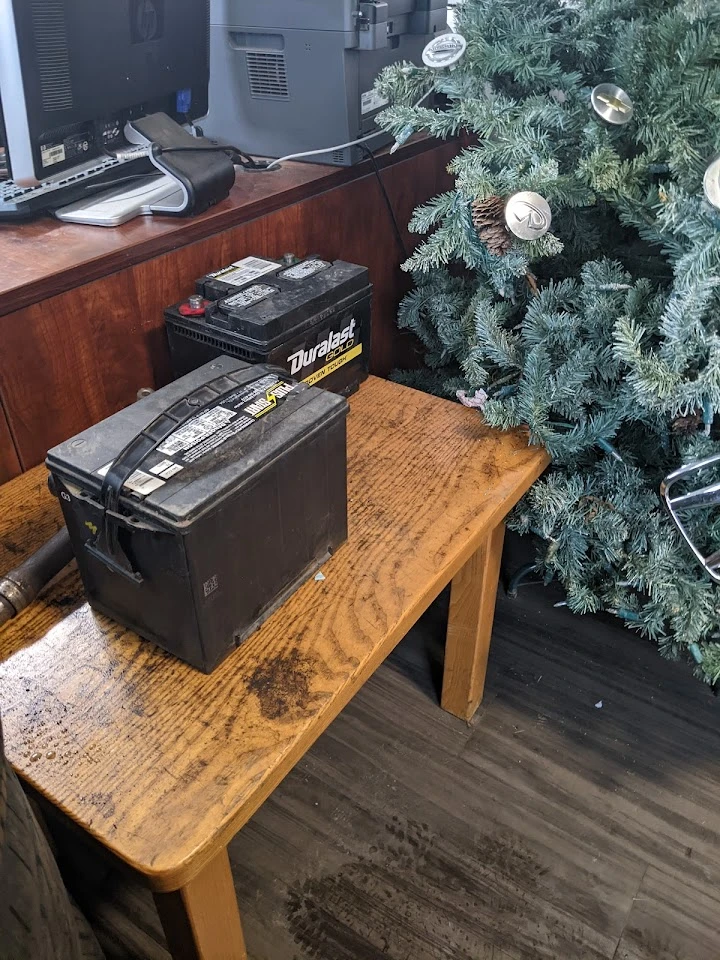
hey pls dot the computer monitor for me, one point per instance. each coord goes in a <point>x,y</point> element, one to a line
<point>73,72</point>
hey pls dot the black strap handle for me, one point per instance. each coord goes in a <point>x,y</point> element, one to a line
<point>106,545</point>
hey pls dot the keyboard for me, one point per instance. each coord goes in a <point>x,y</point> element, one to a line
<point>21,203</point>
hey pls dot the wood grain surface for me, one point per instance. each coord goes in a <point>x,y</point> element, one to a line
<point>45,257</point>
<point>549,829</point>
<point>472,608</point>
<point>202,921</point>
<point>163,764</point>
<point>92,348</point>
<point>9,460</point>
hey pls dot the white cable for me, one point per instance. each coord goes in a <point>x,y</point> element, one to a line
<point>315,153</point>
<point>340,146</point>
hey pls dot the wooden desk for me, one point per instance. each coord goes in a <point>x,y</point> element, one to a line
<point>162,764</point>
<point>81,308</point>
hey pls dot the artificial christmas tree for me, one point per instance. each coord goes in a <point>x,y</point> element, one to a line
<point>601,331</point>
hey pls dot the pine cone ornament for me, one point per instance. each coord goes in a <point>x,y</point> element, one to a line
<point>685,426</point>
<point>488,216</point>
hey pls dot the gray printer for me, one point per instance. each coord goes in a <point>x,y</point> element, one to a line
<point>293,75</point>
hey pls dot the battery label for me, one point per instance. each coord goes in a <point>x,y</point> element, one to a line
<point>303,270</point>
<point>234,413</point>
<point>250,296</point>
<point>200,427</point>
<point>337,345</point>
<point>334,365</point>
<point>209,430</point>
<point>138,482</point>
<point>243,271</point>
<point>166,469</point>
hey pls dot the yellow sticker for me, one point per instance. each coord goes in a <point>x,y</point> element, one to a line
<point>334,365</point>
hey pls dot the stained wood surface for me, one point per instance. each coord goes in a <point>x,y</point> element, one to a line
<point>201,921</point>
<point>9,460</point>
<point>45,257</point>
<point>472,607</point>
<point>549,829</point>
<point>90,349</point>
<point>163,764</point>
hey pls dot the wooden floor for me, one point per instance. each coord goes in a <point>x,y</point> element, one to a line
<point>578,818</point>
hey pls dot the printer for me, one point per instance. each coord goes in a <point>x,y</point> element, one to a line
<point>288,76</point>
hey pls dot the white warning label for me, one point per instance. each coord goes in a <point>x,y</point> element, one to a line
<point>243,271</point>
<point>196,430</point>
<point>138,482</point>
<point>302,271</point>
<point>234,413</point>
<point>251,295</point>
<point>166,469</point>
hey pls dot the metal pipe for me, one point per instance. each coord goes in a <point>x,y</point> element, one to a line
<point>21,586</point>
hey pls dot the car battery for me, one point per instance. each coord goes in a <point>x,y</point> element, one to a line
<point>195,512</point>
<point>310,317</point>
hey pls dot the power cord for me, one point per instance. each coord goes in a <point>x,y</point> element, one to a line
<point>238,156</point>
<point>388,203</point>
<point>316,153</point>
<point>342,146</point>
<point>243,159</point>
<point>250,163</point>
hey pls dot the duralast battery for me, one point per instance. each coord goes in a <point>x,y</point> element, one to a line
<point>311,317</point>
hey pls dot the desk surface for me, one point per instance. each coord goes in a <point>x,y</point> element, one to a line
<point>46,257</point>
<point>161,763</point>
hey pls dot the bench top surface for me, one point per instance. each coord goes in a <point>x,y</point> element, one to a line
<point>163,764</point>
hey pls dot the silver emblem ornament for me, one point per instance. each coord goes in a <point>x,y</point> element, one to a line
<point>528,215</point>
<point>612,104</point>
<point>444,51</point>
<point>711,183</point>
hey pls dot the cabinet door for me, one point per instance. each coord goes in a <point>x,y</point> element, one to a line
<point>9,462</point>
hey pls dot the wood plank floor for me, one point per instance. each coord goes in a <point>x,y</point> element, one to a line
<point>552,828</point>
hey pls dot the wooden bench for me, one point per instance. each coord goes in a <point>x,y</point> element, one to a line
<point>162,764</point>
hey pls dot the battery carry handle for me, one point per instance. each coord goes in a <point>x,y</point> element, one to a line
<point>106,544</point>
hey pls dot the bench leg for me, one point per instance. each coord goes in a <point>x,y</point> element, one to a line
<point>201,920</point>
<point>472,608</point>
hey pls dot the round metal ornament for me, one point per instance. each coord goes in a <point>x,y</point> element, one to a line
<point>612,104</point>
<point>444,51</point>
<point>528,215</point>
<point>711,183</point>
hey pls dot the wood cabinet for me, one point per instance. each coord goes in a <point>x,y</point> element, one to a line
<point>81,308</point>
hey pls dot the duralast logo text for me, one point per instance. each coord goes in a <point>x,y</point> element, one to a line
<point>332,346</point>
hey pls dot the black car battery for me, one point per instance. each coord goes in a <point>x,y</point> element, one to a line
<point>310,317</point>
<point>195,512</point>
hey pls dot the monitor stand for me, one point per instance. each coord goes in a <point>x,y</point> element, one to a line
<point>122,203</point>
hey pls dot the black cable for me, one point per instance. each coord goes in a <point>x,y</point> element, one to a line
<point>110,184</point>
<point>388,202</point>
<point>234,153</point>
